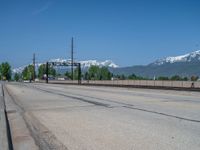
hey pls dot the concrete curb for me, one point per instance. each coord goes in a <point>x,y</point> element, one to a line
<point>4,144</point>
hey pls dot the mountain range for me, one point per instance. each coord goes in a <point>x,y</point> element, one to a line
<point>183,65</point>
<point>84,64</point>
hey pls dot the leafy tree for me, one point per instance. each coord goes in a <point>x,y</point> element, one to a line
<point>97,73</point>
<point>28,72</point>
<point>176,78</point>
<point>194,78</point>
<point>75,74</point>
<point>105,74</point>
<point>16,77</point>
<point>163,78</point>
<point>132,77</point>
<point>68,74</point>
<point>42,71</point>
<point>5,71</point>
<point>120,77</point>
<point>94,73</point>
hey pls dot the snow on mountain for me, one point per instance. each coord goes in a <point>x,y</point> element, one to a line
<point>84,64</point>
<point>88,63</point>
<point>20,69</point>
<point>190,57</point>
<point>107,63</point>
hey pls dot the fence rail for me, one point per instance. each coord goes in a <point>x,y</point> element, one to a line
<point>139,83</point>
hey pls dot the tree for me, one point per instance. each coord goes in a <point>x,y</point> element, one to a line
<point>94,73</point>
<point>97,73</point>
<point>176,78</point>
<point>75,74</point>
<point>132,77</point>
<point>28,72</point>
<point>185,79</point>
<point>42,71</point>
<point>163,78</point>
<point>194,78</point>
<point>5,71</point>
<point>105,74</point>
<point>68,74</point>
<point>16,77</point>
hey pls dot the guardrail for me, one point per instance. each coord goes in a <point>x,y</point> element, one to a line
<point>191,85</point>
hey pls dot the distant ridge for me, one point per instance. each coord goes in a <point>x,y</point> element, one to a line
<point>84,64</point>
<point>183,65</point>
<point>190,57</point>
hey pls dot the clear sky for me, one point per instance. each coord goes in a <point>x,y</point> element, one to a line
<point>129,32</point>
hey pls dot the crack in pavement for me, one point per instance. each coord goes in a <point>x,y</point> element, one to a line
<point>164,114</point>
<point>125,106</point>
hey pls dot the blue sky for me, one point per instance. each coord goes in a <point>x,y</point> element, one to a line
<point>129,32</point>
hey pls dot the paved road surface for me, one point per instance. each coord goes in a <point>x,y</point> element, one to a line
<point>107,118</point>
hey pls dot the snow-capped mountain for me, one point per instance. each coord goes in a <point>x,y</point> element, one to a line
<point>88,63</point>
<point>185,65</point>
<point>20,69</point>
<point>107,63</point>
<point>190,57</point>
<point>84,64</point>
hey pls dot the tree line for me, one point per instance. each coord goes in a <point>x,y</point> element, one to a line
<point>5,71</point>
<point>93,73</point>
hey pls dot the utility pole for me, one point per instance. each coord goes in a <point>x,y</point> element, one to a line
<point>72,58</point>
<point>47,72</point>
<point>34,67</point>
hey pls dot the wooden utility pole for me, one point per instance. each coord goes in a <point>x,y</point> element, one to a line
<point>34,67</point>
<point>47,72</point>
<point>72,58</point>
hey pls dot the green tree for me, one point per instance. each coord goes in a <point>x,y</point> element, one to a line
<point>5,71</point>
<point>94,73</point>
<point>176,78</point>
<point>68,74</point>
<point>97,73</point>
<point>132,77</point>
<point>16,77</point>
<point>105,74</point>
<point>120,77</point>
<point>185,79</point>
<point>28,72</point>
<point>42,71</point>
<point>194,78</point>
<point>75,74</point>
<point>163,78</point>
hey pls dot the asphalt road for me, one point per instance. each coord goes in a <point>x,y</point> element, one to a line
<point>107,118</point>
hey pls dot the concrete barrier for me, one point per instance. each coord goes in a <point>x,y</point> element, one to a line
<point>4,145</point>
<point>189,85</point>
